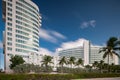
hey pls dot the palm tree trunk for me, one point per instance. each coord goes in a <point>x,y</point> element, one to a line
<point>108,63</point>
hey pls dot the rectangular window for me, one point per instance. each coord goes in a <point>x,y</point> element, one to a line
<point>9,24</point>
<point>8,38</point>
<point>9,48</point>
<point>10,19</point>
<point>10,29</point>
<point>9,9</point>
<point>9,4</point>
<point>9,43</point>
<point>8,33</point>
<point>9,14</point>
<point>10,0</point>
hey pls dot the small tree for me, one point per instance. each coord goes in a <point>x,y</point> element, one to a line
<point>72,61</point>
<point>62,61</point>
<point>46,60</point>
<point>79,62</point>
<point>16,60</point>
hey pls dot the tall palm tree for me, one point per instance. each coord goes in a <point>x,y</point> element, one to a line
<point>110,49</point>
<point>46,60</point>
<point>72,61</point>
<point>62,61</point>
<point>79,62</point>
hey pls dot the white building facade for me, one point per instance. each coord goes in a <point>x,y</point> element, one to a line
<point>21,35</point>
<point>87,52</point>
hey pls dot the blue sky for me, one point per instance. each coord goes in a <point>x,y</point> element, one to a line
<point>65,21</point>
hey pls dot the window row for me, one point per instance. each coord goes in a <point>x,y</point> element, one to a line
<point>30,6</point>
<point>21,32</point>
<point>23,10</point>
<point>22,37</point>
<point>9,48</point>
<point>22,14</point>
<point>21,50</point>
<point>20,41</point>
<point>23,28</point>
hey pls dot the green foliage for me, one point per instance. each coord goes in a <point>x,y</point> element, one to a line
<point>71,70</point>
<point>55,76</point>
<point>27,68</point>
<point>46,60</point>
<point>79,62</point>
<point>111,47</point>
<point>16,60</point>
<point>71,61</point>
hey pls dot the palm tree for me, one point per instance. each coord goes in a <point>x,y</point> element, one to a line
<point>110,49</point>
<point>46,61</point>
<point>72,61</point>
<point>62,61</point>
<point>101,65</point>
<point>79,62</point>
<point>95,64</point>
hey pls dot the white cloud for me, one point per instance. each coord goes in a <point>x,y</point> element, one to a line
<point>72,44</point>
<point>56,34</point>
<point>86,24</point>
<point>1,45</point>
<point>50,35</point>
<point>45,51</point>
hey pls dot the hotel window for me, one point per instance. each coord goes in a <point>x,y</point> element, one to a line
<point>9,48</point>
<point>9,9</point>
<point>10,39</point>
<point>9,14</point>
<point>9,43</point>
<point>10,19</point>
<point>9,24</point>
<point>9,4</point>
<point>10,29</point>
<point>8,33</point>
<point>10,0</point>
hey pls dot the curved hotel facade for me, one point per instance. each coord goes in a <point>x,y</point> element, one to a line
<point>21,35</point>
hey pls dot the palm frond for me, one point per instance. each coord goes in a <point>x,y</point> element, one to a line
<point>116,54</point>
<point>105,54</point>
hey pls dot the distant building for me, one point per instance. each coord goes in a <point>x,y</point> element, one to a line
<point>21,35</point>
<point>86,52</point>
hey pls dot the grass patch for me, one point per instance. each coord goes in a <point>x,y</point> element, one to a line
<point>55,76</point>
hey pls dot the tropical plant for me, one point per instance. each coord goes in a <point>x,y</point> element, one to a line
<point>100,65</point>
<point>95,64</point>
<point>110,49</point>
<point>71,61</point>
<point>16,60</point>
<point>46,60</point>
<point>79,62</point>
<point>62,61</point>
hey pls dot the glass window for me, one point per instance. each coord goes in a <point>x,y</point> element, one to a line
<point>9,4</point>
<point>10,29</point>
<point>9,43</point>
<point>9,24</point>
<point>8,38</point>
<point>10,19</point>
<point>9,14</point>
<point>8,33</point>
<point>9,48</point>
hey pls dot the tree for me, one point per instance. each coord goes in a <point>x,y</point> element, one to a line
<point>62,61</point>
<point>95,64</point>
<point>110,49</point>
<point>101,65</point>
<point>16,60</point>
<point>79,62</point>
<point>72,61</point>
<point>46,61</point>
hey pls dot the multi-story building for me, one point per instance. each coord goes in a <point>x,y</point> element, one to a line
<point>21,35</point>
<point>87,52</point>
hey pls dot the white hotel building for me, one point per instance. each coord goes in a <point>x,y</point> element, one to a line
<point>87,52</point>
<point>21,36</point>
